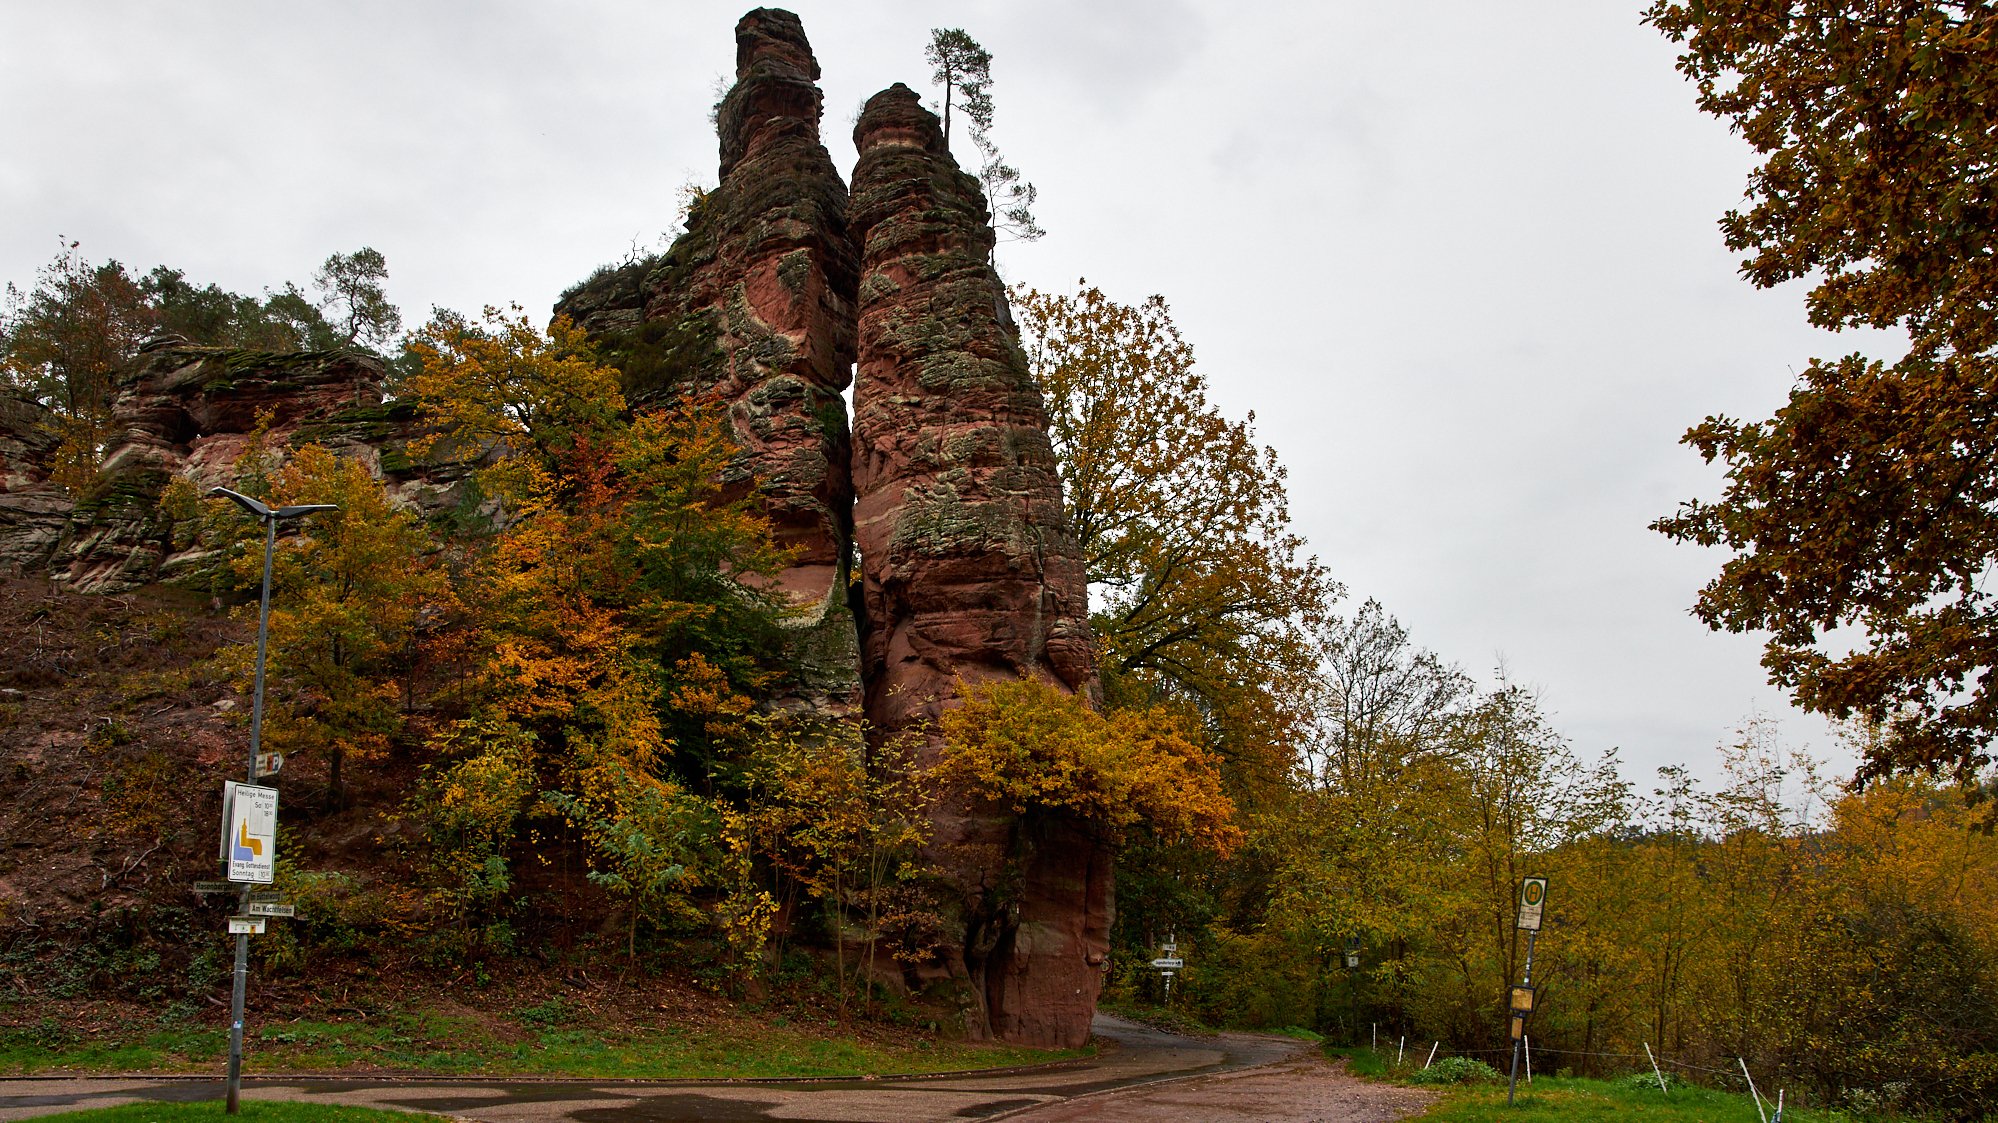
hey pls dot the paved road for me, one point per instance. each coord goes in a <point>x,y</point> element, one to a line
<point>1139,1056</point>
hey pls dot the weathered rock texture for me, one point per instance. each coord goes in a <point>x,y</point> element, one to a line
<point>33,510</point>
<point>190,412</point>
<point>754,305</point>
<point>969,571</point>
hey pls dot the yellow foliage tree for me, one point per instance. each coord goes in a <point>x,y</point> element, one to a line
<point>1202,593</point>
<point>1031,747</point>
<point>620,617</point>
<point>353,593</point>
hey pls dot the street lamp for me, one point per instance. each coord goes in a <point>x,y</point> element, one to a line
<point>269,517</point>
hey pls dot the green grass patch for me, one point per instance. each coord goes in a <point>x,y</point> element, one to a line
<point>253,1111</point>
<point>1362,1061</point>
<point>1575,1100</point>
<point>52,1045</point>
<point>549,1040</point>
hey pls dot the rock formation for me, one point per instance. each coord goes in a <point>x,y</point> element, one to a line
<point>33,510</point>
<point>190,412</point>
<point>947,484</point>
<point>754,305</point>
<point>969,571</point>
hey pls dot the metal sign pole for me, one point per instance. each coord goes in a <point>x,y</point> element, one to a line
<point>269,518</point>
<point>242,979</point>
<point>1519,1019</point>
<point>1532,906</point>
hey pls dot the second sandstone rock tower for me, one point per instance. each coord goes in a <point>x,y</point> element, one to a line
<point>969,570</point>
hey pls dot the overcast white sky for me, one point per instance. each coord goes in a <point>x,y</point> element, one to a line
<point>1463,265</point>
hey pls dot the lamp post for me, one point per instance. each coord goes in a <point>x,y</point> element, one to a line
<point>269,517</point>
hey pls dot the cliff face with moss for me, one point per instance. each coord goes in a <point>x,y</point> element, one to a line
<point>34,511</point>
<point>185,418</point>
<point>969,571</point>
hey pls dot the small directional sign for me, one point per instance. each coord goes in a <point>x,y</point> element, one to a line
<point>270,908</point>
<point>268,764</point>
<point>1169,963</point>
<point>246,926</point>
<point>266,898</point>
<point>209,888</point>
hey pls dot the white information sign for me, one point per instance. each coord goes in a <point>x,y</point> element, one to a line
<point>1532,901</point>
<point>249,832</point>
<point>1169,962</point>
<point>246,926</point>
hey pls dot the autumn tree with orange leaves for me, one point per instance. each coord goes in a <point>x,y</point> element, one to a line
<point>1201,593</point>
<point>1867,506</point>
<point>615,625</point>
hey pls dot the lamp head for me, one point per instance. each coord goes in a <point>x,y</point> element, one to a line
<point>263,512</point>
<point>247,503</point>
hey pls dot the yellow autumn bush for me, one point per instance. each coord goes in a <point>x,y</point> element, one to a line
<point>1029,745</point>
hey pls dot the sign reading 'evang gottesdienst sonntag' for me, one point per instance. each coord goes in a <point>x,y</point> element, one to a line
<point>249,832</point>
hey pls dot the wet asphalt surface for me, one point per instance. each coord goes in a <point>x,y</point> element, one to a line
<point>1133,1055</point>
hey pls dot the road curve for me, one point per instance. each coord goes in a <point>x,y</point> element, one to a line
<point>1135,1055</point>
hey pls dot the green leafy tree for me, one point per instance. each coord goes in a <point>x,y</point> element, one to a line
<point>354,592</point>
<point>964,70</point>
<point>652,842</point>
<point>1868,505</point>
<point>350,287</point>
<point>286,320</point>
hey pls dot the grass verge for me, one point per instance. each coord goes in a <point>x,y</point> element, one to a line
<point>1549,1099</point>
<point>1577,1100</point>
<point>460,1045</point>
<point>253,1111</point>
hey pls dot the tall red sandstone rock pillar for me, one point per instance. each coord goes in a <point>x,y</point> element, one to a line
<point>969,570</point>
<point>754,305</point>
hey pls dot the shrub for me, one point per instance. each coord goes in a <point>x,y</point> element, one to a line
<point>1644,1080</point>
<point>1457,1070</point>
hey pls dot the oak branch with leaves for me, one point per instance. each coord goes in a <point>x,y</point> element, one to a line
<point>1863,517</point>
